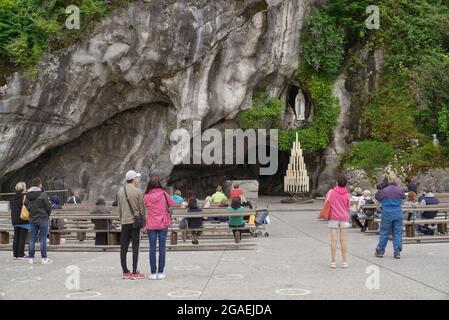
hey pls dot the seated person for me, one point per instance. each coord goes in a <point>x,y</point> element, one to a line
<point>207,202</point>
<point>223,204</point>
<point>365,199</point>
<point>55,202</point>
<point>219,196</point>
<point>194,223</point>
<point>410,201</point>
<point>101,238</point>
<point>428,199</point>
<point>56,224</point>
<point>236,222</point>
<point>75,198</point>
<point>177,197</point>
<point>356,195</point>
<point>236,192</point>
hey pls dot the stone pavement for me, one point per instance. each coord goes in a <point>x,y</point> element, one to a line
<point>290,264</point>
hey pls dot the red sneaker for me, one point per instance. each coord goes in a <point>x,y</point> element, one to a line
<point>137,276</point>
<point>126,275</point>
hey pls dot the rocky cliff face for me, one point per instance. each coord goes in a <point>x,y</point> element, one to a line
<point>108,104</point>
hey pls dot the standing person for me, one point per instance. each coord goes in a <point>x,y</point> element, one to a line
<point>101,238</point>
<point>21,227</point>
<point>39,207</point>
<point>390,198</point>
<point>130,207</point>
<point>194,223</point>
<point>219,196</point>
<point>339,199</point>
<point>411,187</point>
<point>158,203</point>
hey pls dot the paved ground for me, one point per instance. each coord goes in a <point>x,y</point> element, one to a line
<point>291,264</point>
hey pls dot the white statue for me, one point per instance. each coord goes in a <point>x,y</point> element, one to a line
<point>300,106</point>
<point>435,140</point>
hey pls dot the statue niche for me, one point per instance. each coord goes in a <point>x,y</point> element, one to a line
<point>297,100</point>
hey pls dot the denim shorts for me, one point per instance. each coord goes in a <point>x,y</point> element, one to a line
<point>334,224</point>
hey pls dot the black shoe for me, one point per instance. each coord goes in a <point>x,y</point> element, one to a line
<point>397,255</point>
<point>378,254</point>
<point>194,241</point>
<point>363,229</point>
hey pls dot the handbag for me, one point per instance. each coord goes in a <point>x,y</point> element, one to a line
<point>24,213</point>
<point>138,219</point>
<point>326,210</point>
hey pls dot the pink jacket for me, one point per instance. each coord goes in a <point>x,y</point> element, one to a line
<point>340,201</point>
<point>157,211</point>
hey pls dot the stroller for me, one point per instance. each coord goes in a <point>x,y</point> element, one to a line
<point>260,222</point>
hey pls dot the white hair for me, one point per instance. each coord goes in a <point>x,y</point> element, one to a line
<point>392,178</point>
<point>21,186</point>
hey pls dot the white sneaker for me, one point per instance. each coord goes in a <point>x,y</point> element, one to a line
<point>45,261</point>
<point>333,265</point>
<point>30,260</point>
<point>344,265</point>
<point>161,276</point>
<point>153,276</point>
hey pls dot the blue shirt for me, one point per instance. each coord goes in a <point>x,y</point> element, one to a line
<point>391,198</point>
<point>177,198</point>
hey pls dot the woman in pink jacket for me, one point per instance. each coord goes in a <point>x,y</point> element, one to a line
<point>157,202</point>
<point>339,199</point>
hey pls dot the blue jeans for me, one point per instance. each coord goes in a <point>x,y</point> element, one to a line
<point>390,223</point>
<point>42,228</point>
<point>152,237</point>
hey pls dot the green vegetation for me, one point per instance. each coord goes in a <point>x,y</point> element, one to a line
<point>322,44</point>
<point>29,28</point>
<point>264,114</point>
<point>370,155</point>
<point>412,100</point>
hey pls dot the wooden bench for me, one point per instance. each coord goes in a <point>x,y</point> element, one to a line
<point>79,222</point>
<point>442,210</point>
<point>180,213</point>
<point>410,225</point>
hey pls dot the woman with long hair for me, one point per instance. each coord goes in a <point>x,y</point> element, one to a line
<point>158,203</point>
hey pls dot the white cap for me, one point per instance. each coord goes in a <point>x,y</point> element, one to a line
<point>131,175</point>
